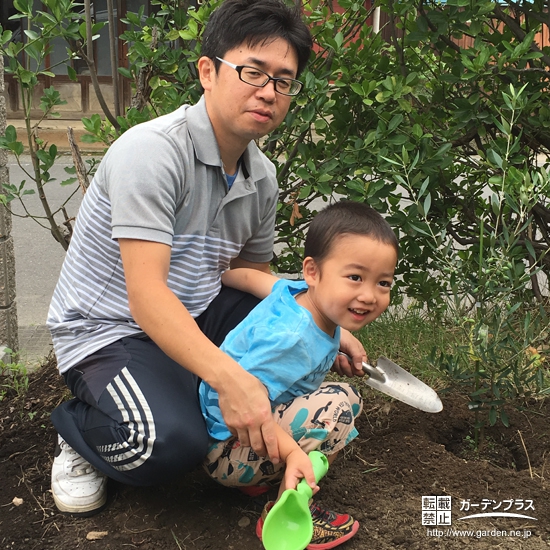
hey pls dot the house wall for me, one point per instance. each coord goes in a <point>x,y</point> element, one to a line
<point>8,308</point>
<point>80,96</point>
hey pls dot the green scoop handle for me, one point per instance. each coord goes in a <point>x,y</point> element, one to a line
<point>289,525</point>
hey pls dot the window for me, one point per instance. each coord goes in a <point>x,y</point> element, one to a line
<point>58,55</point>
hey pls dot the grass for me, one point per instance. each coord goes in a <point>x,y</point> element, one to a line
<point>14,379</point>
<point>407,337</point>
<point>498,361</point>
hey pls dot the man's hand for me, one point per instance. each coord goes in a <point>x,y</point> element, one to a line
<point>246,409</point>
<point>352,347</point>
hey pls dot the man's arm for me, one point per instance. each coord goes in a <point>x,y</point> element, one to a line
<point>240,262</point>
<point>156,309</point>
<point>248,280</point>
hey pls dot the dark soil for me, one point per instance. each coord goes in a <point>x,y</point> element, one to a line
<point>401,456</point>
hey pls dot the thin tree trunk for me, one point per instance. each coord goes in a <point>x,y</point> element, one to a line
<point>89,59</point>
<point>113,47</point>
<point>78,162</point>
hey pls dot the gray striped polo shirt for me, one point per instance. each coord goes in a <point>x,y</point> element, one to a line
<point>161,181</point>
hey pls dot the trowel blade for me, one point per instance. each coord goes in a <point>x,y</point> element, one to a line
<point>396,382</point>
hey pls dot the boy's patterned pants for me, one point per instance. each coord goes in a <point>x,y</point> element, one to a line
<point>323,420</point>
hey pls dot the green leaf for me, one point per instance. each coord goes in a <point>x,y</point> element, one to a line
<point>418,229</point>
<point>23,6</point>
<point>395,122</point>
<point>358,89</point>
<point>324,188</point>
<point>172,35</point>
<point>68,181</point>
<point>11,133</point>
<point>423,187</point>
<point>391,161</point>
<point>427,204</point>
<point>187,35</point>
<point>504,418</point>
<point>154,82</point>
<point>72,73</point>
<point>417,131</point>
<point>5,37</point>
<point>494,158</point>
<point>88,138</point>
<point>26,77</point>
<point>17,148</point>
<point>398,139</point>
<point>31,34</point>
<point>42,156</point>
<point>96,27</point>
<point>125,72</point>
<point>530,249</point>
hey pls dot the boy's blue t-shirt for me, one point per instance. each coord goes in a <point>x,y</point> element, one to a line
<point>280,344</point>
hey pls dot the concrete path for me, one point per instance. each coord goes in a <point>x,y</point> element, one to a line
<point>38,256</point>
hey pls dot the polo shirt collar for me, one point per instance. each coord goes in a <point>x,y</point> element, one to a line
<point>206,146</point>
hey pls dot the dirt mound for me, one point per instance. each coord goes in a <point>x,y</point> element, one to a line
<point>401,456</point>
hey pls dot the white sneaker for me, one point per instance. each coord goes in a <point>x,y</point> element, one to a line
<point>77,487</point>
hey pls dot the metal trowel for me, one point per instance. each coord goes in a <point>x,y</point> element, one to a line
<point>396,382</point>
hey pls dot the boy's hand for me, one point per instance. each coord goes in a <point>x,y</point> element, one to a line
<point>298,466</point>
<point>350,346</point>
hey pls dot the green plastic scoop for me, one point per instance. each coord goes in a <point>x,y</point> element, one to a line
<point>288,525</point>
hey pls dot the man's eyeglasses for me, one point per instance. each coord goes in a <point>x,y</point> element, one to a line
<point>258,78</point>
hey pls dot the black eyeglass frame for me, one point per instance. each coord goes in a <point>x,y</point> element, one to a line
<point>276,80</point>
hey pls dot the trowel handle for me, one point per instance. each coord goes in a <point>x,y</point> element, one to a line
<point>320,468</point>
<point>369,370</point>
<point>320,464</point>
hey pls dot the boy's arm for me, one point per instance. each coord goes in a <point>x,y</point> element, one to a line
<point>297,462</point>
<point>248,280</point>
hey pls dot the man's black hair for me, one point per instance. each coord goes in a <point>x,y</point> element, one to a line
<point>255,22</point>
<point>345,218</point>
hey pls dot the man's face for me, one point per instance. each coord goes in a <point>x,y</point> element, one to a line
<point>238,111</point>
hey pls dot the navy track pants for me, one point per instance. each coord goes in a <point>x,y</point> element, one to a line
<point>136,414</point>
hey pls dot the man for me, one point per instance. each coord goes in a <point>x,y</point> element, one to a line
<point>139,310</point>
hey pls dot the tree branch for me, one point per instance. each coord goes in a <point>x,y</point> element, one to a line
<point>517,31</point>
<point>396,44</point>
<point>78,162</point>
<point>114,57</point>
<point>89,59</point>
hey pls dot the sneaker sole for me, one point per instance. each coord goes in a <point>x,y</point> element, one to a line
<point>81,511</point>
<point>324,546</point>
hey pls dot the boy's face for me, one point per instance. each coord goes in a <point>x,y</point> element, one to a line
<point>238,111</point>
<point>352,286</point>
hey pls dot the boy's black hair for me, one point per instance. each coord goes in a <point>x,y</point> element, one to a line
<point>254,22</point>
<point>345,218</point>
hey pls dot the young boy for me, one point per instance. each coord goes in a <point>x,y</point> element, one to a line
<point>290,341</point>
